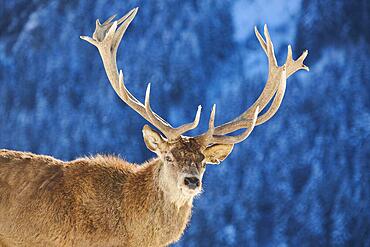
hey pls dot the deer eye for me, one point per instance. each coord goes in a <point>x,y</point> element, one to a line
<point>168,159</point>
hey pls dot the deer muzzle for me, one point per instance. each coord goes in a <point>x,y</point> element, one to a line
<point>192,182</point>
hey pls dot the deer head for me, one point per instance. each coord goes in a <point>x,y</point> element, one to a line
<point>183,157</point>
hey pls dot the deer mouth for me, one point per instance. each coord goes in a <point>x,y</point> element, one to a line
<point>190,192</point>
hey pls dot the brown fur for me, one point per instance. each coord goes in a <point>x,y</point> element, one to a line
<point>99,201</point>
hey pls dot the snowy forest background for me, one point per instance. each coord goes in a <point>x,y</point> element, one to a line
<point>301,179</point>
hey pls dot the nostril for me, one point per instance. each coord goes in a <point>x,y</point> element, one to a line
<point>192,182</point>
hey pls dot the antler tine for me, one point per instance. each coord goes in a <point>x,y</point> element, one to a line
<point>131,101</point>
<point>205,138</point>
<point>292,65</point>
<point>270,47</point>
<point>106,38</point>
<point>128,98</point>
<point>170,132</point>
<point>209,137</point>
<point>189,126</point>
<point>295,65</point>
<point>109,19</point>
<point>239,138</point>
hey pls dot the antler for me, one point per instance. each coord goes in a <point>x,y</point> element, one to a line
<point>106,38</point>
<point>275,85</point>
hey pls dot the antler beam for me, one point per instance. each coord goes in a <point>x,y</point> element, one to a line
<point>275,86</point>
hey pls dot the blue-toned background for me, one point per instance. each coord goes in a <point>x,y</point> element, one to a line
<point>302,179</point>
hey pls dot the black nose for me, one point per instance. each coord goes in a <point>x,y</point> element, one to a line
<point>191,182</point>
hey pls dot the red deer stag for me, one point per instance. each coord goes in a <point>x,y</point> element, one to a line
<point>106,201</point>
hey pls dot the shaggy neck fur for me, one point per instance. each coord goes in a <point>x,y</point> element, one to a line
<point>155,179</point>
<point>157,206</point>
<point>170,188</point>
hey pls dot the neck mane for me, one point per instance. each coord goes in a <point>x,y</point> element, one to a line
<point>152,173</point>
<point>160,210</point>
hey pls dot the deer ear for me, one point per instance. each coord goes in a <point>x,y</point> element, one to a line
<point>152,139</point>
<point>217,153</point>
